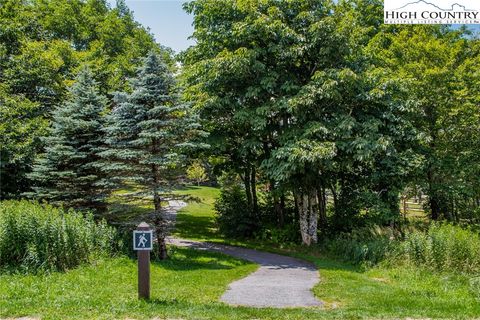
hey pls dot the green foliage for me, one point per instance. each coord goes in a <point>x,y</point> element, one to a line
<point>366,246</point>
<point>149,133</point>
<point>440,248</point>
<point>444,247</point>
<point>69,173</point>
<point>434,64</point>
<point>20,132</point>
<point>474,286</point>
<point>287,235</point>
<point>39,237</point>
<point>196,172</point>
<point>233,217</point>
<point>43,45</point>
<point>289,94</point>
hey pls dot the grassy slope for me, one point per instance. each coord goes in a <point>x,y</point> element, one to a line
<point>196,221</point>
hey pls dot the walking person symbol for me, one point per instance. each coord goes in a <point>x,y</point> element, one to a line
<point>142,240</point>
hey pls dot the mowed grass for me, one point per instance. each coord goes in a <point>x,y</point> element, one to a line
<point>349,291</point>
<point>197,220</point>
<point>189,285</point>
<point>393,293</point>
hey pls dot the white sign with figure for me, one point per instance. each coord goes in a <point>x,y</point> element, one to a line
<point>142,240</point>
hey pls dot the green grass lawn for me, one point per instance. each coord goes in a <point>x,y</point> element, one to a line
<point>196,220</point>
<point>189,285</point>
<point>350,291</point>
<point>393,292</point>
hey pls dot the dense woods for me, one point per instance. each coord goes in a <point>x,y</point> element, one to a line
<point>43,45</point>
<point>333,116</point>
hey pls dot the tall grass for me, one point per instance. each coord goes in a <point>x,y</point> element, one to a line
<point>367,246</point>
<point>37,237</point>
<point>443,247</point>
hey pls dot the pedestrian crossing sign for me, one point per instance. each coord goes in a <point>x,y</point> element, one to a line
<point>142,240</point>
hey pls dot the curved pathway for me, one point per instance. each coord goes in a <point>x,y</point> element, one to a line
<point>279,282</point>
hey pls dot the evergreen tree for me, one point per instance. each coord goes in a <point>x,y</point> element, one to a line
<point>67,173</point>
<point>149,134</point>
<point>42,43</point>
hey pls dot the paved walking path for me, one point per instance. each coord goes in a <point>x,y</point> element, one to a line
<point>279,282</point>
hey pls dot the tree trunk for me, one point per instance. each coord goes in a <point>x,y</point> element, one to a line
<point>434,208</point>
<point>160,222</point>
<point>161,231</point>
<point>432,197</point>
<point>281,212</point>
<point>308,216</point>
<point>296,217</point>
<point>313,216</point>
<point>322,206</point>
<point>248,189</point>
<point>253,186</point>
<point>335,197</point>
<point>303,218</point>
<point>278,204</point>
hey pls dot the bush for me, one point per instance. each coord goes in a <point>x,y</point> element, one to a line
<point>444,247</point>
<point>233,216</point>
<point>362,246</point>
<point>36,237</point>
<point>289,234</point>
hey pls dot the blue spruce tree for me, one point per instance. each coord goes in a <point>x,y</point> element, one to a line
<point>149,134</point>
<point>68,172</point>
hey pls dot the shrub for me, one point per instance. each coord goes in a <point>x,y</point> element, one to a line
<point>288,235</point>
<point>233,215</point>
<point>362,246</point>
<point>37,237</point>
<point>444,247</point>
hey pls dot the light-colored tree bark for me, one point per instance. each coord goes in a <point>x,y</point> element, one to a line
<point>308,216</point>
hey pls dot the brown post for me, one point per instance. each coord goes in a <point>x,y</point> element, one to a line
<point>143,267</point>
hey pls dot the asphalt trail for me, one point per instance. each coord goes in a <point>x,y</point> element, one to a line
<point>279,282</point>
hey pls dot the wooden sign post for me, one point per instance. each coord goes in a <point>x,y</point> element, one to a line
<point>143,243</point>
